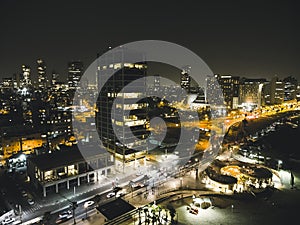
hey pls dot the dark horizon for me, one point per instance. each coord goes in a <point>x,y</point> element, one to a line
<point>253,39</point>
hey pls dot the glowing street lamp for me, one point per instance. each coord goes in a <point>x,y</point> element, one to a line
<point>279,163</point>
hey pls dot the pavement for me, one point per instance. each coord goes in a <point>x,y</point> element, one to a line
<point>58,201</point>
<point>270,207</point>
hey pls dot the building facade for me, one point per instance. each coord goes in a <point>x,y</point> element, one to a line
<point>75,71</point>
<point>67,168</point>
<point>41,72</point>
<point>274,92</point>
<point>185,79</point>
<point>250,93</point>
<point>290,88</point>
<point>122,113</point>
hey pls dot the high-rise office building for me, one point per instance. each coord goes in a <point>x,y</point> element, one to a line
<point>54,78</point>
<point>250,92</point>
<point>121,106</point>
<point>75,71</point>
<point>274,91</point>
<point>290,88</point>
<point>185,79</point>
<point>230,88</point>
<point>26,76</point>
<point>7,83</point>
<point>156,84</point>
<point>41,71</point>
<point>16,81</point>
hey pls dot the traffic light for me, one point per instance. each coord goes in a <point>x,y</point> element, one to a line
<point>74,205</point>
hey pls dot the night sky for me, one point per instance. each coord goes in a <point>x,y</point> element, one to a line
<point>244,38</point>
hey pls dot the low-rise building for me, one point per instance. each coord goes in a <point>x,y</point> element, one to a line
<point>67,167</point>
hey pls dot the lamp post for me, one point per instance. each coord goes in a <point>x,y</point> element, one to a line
<point>20,212</point>
<point>74,205</point>
<point>85,207</point>
<point>279,164</point>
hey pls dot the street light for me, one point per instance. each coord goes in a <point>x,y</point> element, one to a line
<point>74,205</point>
<point>20,212</point>
<point>85,207</point>
<point>279,164</point>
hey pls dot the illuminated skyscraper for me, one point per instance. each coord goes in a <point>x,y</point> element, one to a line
<point>26,79</point>
<point>185,79</point>
<point>54,78</point>
<point>250,95</point>
<point>290,88</point>
<point>75,71</point>
<point>230,88</point>
<point>156,83</point>
<point>42,77</point>
<point>122,112</point>
<point>274,91</point>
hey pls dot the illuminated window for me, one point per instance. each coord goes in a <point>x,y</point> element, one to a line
<point>72,170</point>
<point>48,175</point>
<point>129,65</point>
<point>119,123</point>
<point>117,66</point>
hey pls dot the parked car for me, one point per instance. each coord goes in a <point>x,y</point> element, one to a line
<point>65,214</point>
<point>110,194</point>
<point>30,201</point>
<point>88,204</point>
<point>8,221</point>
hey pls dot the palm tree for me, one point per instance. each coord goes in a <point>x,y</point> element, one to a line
<point>153,216</point>
<point>140,219</point>
<point>166,215</point>
<point>172,212</point>
<point>46,218</point>
<point>146,215</point>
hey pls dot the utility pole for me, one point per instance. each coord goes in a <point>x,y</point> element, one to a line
<point>20,213</point>
<point>73,206</point>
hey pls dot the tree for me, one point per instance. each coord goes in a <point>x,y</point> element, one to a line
<point>140,218</point>
<point>46,218</point>
<point>146,215</point>
<point>172,212</point>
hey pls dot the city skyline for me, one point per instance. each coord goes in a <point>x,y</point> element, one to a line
<point>149,113</point>
<point>154,68</point>
<point>245,39</point>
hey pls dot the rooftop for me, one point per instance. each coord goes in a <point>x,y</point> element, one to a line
<point>116,208</point>
<point>65,156</point>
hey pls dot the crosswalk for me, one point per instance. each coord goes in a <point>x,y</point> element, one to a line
<point>31,209</point>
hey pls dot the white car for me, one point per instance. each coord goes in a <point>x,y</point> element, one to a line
<point>8,221</point>
<point>88,204</point>
<point>65,214</point>
<point>110,194</point>
<point>30,201</point>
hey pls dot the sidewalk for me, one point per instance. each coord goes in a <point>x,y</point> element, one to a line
<point>169,191</point>
<point>57,201</point>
